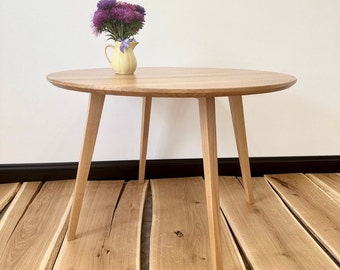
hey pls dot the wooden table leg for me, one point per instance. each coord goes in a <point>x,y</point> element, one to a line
<point>144,138</point>
<point>94,114</point>
<point>236,107</point>
<point>208,133</point>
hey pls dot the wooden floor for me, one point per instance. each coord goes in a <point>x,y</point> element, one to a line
<point>294,224</point>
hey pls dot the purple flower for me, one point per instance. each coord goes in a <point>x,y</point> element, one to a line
<point>106,4</point>
<point>120,20</point>
<point>100,17</point>
<point>123,13</point>
<point>140,9</point>
<point>139,16</point>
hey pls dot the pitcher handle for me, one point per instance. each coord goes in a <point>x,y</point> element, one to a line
<point>107,57</point>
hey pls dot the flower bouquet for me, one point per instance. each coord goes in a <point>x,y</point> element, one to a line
<point>120,20</point>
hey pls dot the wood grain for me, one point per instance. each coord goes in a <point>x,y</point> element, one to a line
<point>95,224</point>
<point>269,234</point>
<point>173,82</point>
<point>144,137</point>
<point>7,192</point>
<point>328,182</point>
<point>203,83</point>
<point>16,210</point>
<point>96,103</point>
<point>319,213</point>
<point>232,256</point>
<point>179,234</point>
<point>36,239</point>
<point>209,149</point>
<point>124,241</point>
<point>236,108</point>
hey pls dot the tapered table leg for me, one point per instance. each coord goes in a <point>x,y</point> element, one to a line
<point>236,107</point>
<point>144,138</point>
<point>94,114</point>
<point>208,134</point>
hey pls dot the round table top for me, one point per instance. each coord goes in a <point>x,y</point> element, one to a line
<point>173,82</point>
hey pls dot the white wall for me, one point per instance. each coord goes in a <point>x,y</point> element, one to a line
<point>41,123</point>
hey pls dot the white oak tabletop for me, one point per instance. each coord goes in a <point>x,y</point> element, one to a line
<point>173,82</point>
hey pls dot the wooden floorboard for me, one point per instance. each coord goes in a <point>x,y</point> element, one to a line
<point>271,234</point>
<point>94,226</point>
<point>109,228</point>
<point>37,236</point>
<point>328,182</point>
<point>124,241</point>
<point>7,192</point>
<point>268,233</point>
<point>16,210</point>
<point>179,234</point>
<point>312,207</point>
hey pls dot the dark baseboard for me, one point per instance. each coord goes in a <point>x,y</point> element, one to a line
<point>128,170</point>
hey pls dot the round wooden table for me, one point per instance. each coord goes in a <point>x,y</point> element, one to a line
<point>202,83</point>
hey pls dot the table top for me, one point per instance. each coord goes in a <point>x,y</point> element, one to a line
<point>173,82</point>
